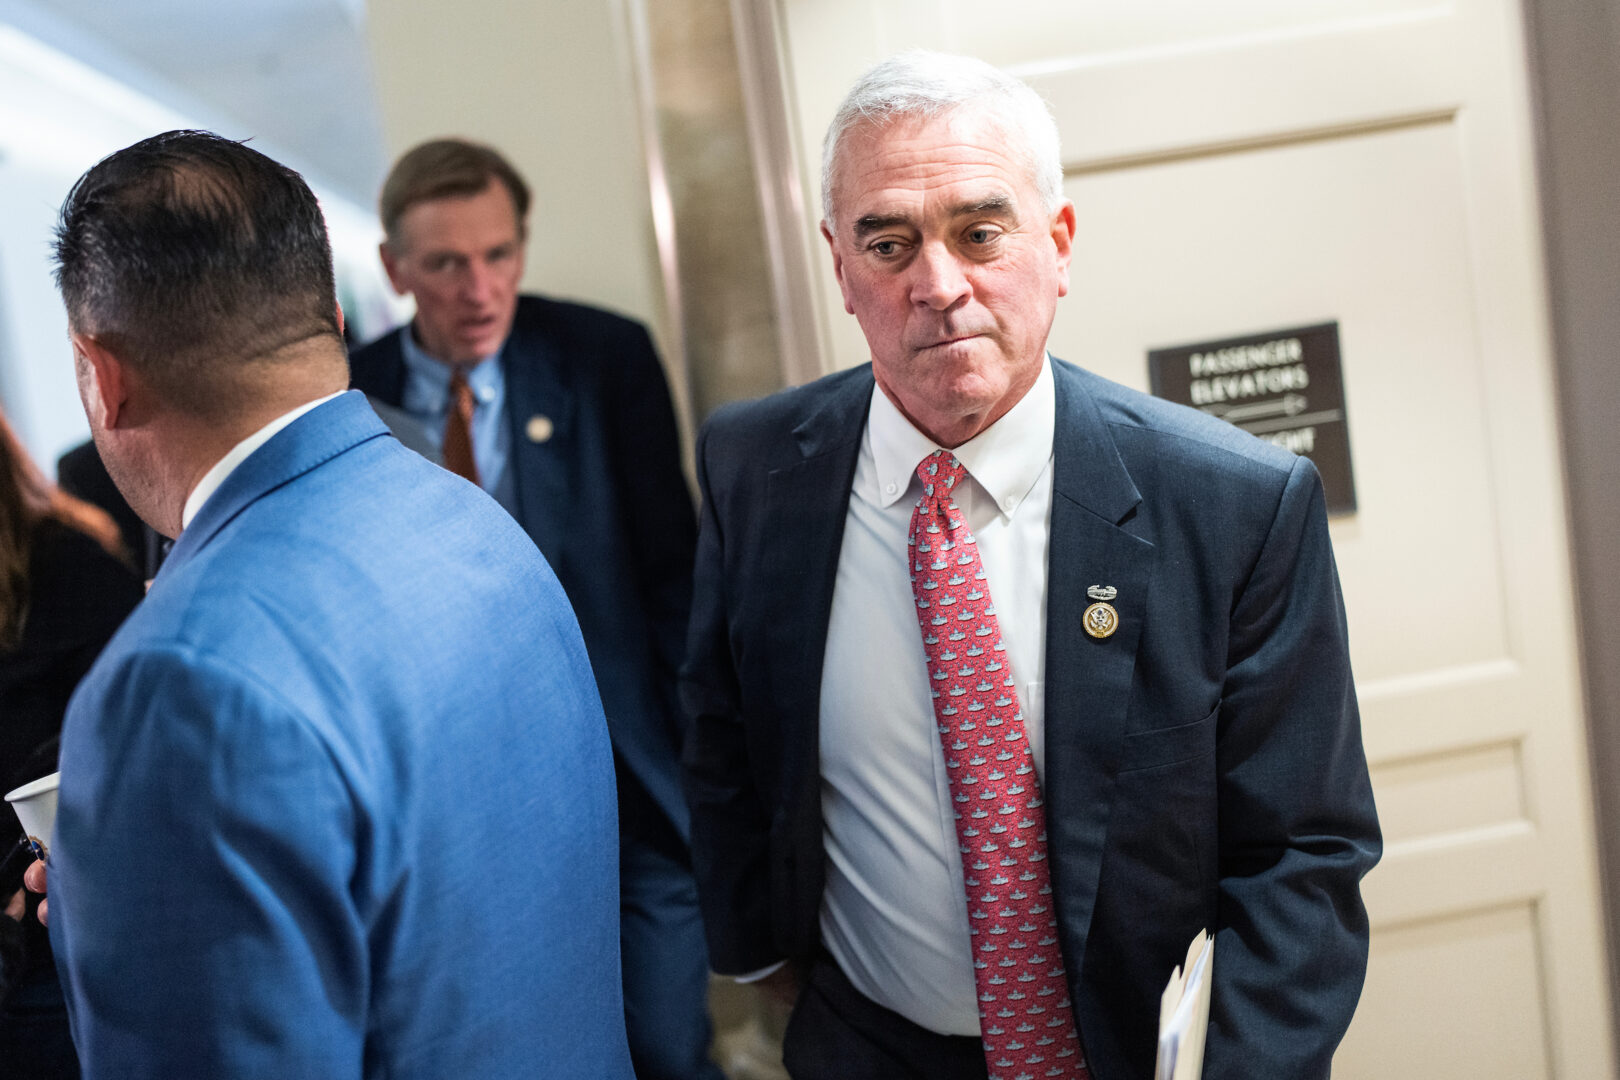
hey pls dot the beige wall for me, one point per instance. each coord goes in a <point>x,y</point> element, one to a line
<point>551,85</point>
<point>1575,67</point>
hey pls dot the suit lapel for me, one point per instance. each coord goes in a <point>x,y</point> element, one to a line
<point>806,504</point>
<point>379,370</point>
<point>540,409</point>
<point>308,442</point>
<point>1088,679</point>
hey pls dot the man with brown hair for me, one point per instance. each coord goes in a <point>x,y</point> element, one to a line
<point>561,412</point>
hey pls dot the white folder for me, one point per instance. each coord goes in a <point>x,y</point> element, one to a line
<point>1184,1013</point>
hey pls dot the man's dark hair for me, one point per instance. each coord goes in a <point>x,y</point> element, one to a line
<point>187,252</point>
<point>445,168</point>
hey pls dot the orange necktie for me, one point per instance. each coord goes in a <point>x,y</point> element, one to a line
<point>458,447</point>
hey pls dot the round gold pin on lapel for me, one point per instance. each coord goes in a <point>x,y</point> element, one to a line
<point>1100,619</point>
<point>539,428</point>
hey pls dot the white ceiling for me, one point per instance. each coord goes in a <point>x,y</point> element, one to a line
<point>293,74</point>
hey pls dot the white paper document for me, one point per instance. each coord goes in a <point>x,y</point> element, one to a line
<point>1184,1013</point>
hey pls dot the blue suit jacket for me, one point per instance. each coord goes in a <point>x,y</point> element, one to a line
<point>334,799</point>
<point>604,498</point>
<point>1204,765</point>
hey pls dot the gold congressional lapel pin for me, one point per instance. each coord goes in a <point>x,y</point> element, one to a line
<point>1101,620</point>
<point>539,428</point>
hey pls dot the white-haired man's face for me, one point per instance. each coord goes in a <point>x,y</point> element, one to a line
<point>947,257</point>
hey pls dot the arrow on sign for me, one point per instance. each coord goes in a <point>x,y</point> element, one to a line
<point>1287,405</point>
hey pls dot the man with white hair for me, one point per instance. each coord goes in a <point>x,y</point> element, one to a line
<point>973,839</point>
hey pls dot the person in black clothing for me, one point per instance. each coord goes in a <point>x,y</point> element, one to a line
<point>65,586</point>
<point>80,473</point>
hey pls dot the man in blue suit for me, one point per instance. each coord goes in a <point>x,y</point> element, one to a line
<point>560,411</point>
<point>337,800</point>
<point>1157,705</point>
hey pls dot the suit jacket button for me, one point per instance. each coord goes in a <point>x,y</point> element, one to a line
<point>539,428</point>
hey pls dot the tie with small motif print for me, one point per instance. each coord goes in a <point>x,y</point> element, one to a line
<point>458,447</point>
<point>1025,1018</point>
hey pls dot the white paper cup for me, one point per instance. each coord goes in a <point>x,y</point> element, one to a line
<point>35,805</point>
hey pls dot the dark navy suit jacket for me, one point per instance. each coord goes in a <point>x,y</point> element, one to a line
<point>322,814</point>
<point>603,497</point>
<point>1204,765</point>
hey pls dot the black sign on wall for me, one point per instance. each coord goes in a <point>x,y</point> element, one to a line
<point>1284,386</point>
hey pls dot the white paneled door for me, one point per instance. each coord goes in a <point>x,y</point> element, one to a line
<point>1263,164</point>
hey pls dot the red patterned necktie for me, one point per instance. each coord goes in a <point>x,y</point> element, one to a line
<point>1025,1018</point>
<point>458,447</point>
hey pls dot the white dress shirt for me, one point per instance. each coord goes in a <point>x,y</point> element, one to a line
<point>894,914</point>
<point>239,453</point>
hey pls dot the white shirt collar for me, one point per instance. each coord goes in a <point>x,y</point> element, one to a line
<point>239,453</point>
<point>1005,458</point>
